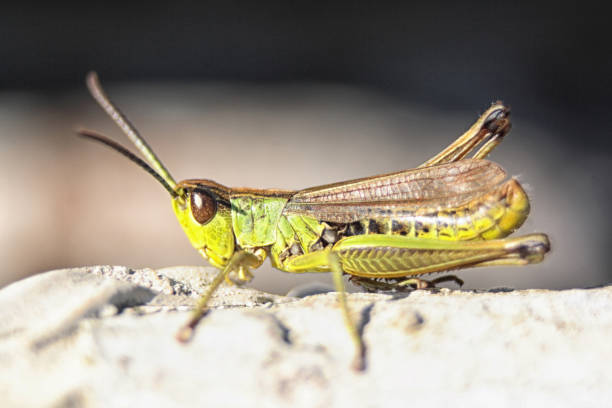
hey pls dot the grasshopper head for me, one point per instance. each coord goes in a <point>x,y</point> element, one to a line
<point>203,209</point>
<point>201,206</point>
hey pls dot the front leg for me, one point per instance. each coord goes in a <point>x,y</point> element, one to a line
<point>240,261</point>
<point>242,274</point>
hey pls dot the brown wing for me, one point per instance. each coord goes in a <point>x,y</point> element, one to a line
<point>437,187</point>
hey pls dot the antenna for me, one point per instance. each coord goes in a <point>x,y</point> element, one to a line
<point>95,88</point>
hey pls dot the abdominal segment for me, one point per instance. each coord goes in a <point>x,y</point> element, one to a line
<point>495,214</point>
<point>492,215</point>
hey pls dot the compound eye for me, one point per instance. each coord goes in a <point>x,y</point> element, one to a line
<point>203,206</point>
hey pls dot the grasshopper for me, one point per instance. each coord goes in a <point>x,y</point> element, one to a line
<point>451,212</point>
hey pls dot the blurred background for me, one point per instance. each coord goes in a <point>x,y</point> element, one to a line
<point>289,96</point>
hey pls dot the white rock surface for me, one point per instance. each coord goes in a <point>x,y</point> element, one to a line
<point>104,336</point>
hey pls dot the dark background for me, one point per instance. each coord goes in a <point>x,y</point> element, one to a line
<point>548,57</point>
<point>550,61</point>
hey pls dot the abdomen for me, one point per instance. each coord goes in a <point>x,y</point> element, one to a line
<point>493,215</point>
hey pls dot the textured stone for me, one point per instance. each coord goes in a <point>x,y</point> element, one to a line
<point>104,336</point>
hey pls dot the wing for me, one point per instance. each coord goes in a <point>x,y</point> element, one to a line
<point>436,187</point>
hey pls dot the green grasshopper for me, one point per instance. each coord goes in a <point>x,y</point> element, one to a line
<point>451,212</point>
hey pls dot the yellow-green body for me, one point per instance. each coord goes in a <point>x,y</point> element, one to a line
<point>401,241</point>
<point>451,212</point>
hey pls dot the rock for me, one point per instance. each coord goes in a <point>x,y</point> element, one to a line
<point>104,336</point>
